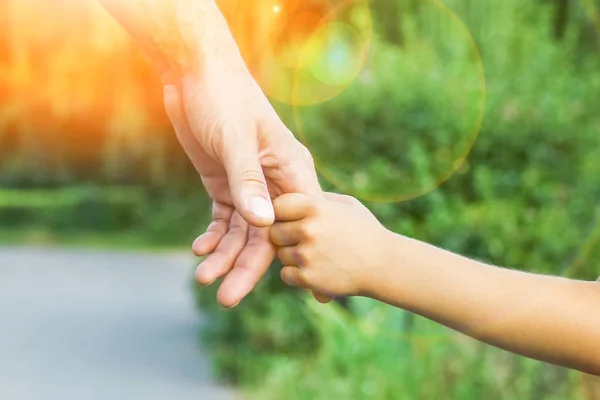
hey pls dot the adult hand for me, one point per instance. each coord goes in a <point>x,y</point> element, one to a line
<point>242,166</point>
<point>243,152</point>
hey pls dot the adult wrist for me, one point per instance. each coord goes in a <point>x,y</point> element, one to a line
<point>200,39</point>
<point>205,32</point>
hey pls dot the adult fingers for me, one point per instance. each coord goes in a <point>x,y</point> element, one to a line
<point>250,267</point>
<point>222,260</point>
<point>250,194</point>
<point>218,228</point>
<point>206,243</point>
<point>295,164</point>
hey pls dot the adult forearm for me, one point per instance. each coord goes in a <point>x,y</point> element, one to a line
<point>180,36</point>
<point>547,318</point>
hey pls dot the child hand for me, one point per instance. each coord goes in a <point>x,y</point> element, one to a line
<point>329,246</point>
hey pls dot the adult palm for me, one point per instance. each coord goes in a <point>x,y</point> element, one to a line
<point>257,154</point>
<point>242,150</point>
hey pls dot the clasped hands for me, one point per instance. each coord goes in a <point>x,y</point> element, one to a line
<point>243,152</point>
<point>245,156</point>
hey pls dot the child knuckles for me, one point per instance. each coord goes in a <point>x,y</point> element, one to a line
<point>353,201</point>
<point>279,205</point>
<point>275,233</point>
<point>314,207</point>
<point>307,232</point>
<point>302,257</point>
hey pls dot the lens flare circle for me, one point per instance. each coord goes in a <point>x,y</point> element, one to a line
<point>340,44</point>
<point>593,11</point>
<point>272,37</point>
<point>459,98</point>
<point>294,38</point>
<point>334,54</point>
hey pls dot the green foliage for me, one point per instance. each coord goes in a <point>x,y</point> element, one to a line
<point>518,188</point>
<point>155,216</point>
<point>268,326</point>
<point>359,357</point>
<point>402,137</point>
<point>70,208</point>
<point>525,197</point>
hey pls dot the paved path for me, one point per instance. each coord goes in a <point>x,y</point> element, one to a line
<point>80,325</point>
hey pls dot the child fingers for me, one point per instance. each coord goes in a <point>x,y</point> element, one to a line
<point>323,298</point>
<point>220,262</point>
<point>285,234</point>
<point>292,207</point>
<point>290,256</point>
<point>292,276</point>
<point>341,198</point>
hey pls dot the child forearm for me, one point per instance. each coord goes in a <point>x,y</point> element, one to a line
<point>339,247</point>
<point>551,319</point>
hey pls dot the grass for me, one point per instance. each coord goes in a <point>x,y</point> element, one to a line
<point>65,197</point>
<point>42,237</point>
<point>359,357</point>
<point>82,216</point>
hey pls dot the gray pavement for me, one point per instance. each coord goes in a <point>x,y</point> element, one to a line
<point>78,325</point>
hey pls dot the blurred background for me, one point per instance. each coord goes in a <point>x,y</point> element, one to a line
<point>472,125</point>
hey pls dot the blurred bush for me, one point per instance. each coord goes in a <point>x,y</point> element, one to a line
<point>85,145</point>
<point>269,325</point>
<point>71,209</point>
<point>80,153</point>
<point>155,218</point>
<point>526,197</point>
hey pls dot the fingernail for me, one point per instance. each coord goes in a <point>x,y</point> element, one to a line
<point>261,207</point>
<point>202,281</point>
<point>207,284</point>
<point>199,238</point>
<point>234,306</point>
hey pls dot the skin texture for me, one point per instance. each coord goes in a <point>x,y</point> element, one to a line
<point>243,152</point>
<point>336,246</point>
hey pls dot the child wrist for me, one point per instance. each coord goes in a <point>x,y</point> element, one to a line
<point>375,277</point>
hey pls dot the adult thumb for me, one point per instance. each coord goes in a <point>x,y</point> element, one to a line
<point>247,183</point>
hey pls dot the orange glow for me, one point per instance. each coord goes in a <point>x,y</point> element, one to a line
<point>71,76</point>
<point>334,54</point>
<point>68,53</point>
<point>285,50</point>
